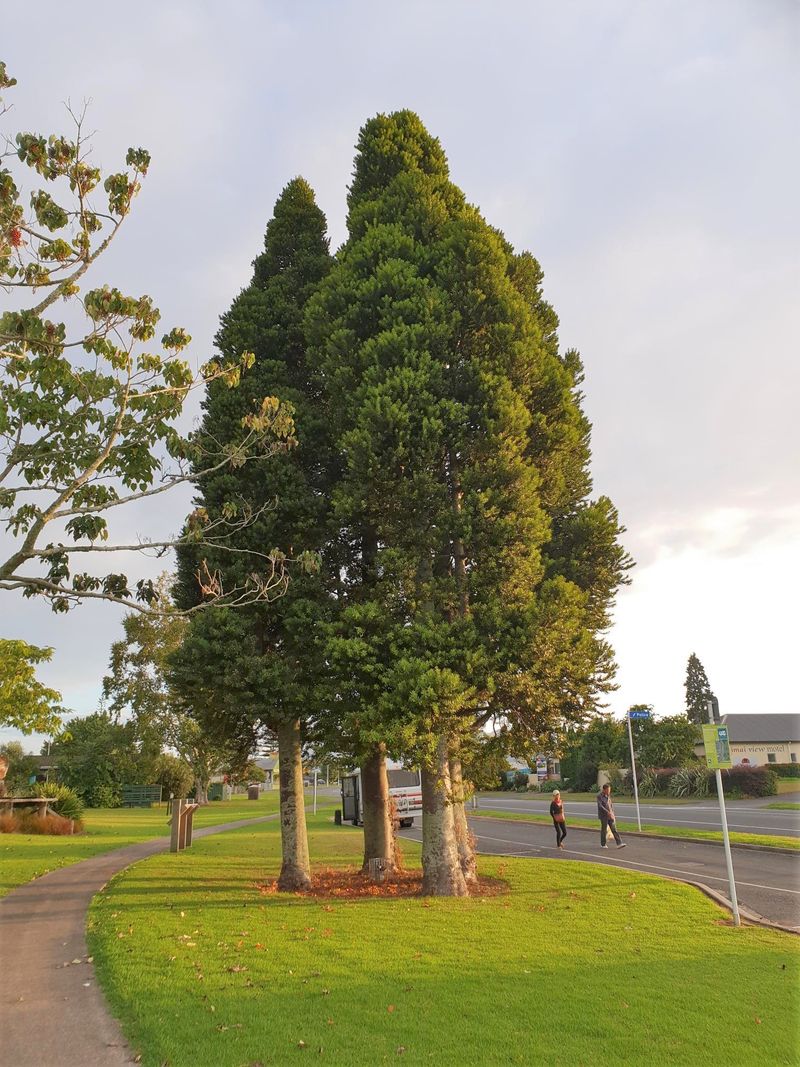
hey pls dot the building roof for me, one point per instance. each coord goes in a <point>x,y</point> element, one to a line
<point>761,728</point>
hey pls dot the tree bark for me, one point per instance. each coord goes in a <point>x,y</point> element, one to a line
<point>378,828</point>
<point>465,842</point>
<point>200,791</point>
<point>441,869</point>
<point>295,867</point>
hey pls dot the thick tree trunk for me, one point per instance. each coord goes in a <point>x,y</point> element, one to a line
<point>465,842</point>
<point>295,868</point>
<point>441,869</point>
<point>200,791</point>
<point>378,828</point>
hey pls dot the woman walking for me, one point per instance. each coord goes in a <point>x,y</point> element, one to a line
<point>557,814</point>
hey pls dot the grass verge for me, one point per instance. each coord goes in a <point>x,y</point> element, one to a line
<point>578,964</point>
<point>770,840</point>
<point>27,856</point>
<point>785,806</point>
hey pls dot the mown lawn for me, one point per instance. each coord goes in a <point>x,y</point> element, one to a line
<point>625,826</point>
<point>26,856</point>
<point>577,965</point>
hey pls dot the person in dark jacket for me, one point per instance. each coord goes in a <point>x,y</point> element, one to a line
<point>557,815</point>
<point>605,813</point>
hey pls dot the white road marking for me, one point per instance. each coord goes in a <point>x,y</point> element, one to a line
<point>656,818</point>
<point>671,870</point>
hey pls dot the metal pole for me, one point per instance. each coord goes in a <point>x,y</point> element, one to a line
<point>316,772</point>
<point>725,837</point>
<point>633,769</point>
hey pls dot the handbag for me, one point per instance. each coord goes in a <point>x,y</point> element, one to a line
<point>559,818</point>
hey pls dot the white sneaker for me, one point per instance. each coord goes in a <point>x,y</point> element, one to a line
<point>604,846</point>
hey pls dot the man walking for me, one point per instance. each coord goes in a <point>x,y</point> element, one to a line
<point>605,813</point>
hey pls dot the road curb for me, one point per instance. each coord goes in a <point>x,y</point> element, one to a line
<point>654,837</point>
<point>751,917</point>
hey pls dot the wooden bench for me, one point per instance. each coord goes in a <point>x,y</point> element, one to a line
<point>7,804</point>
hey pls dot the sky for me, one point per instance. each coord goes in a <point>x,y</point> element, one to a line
<point>646,154</point>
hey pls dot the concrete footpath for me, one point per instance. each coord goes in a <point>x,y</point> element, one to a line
<point>51,1013</point>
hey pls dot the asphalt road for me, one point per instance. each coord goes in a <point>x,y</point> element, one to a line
<point>767,883</point>
<point>747,816</point>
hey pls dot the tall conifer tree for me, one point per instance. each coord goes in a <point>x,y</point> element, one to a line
<point>465,450</point>
<point>698,691</point>
<point>257,668</point>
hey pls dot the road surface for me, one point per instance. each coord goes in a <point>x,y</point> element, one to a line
<point>746,816</point>
<point>767,883</point>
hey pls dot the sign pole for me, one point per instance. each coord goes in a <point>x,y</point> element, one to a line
<point>316,772</point>
<point>724,820</point>
<point>633,769</point>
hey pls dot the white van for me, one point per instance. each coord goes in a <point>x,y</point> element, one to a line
<point>405,789</point>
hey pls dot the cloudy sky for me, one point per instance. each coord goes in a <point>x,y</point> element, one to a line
<point>647,154</point>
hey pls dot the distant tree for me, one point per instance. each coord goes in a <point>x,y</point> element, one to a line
<point>96,756</point>
<point>25,703</point>
<point>137,685</point>
<point>21,767</point>
<point>87,420</point>
<point>603,743</point>
<point>698,691</point>
<point>665,742</point>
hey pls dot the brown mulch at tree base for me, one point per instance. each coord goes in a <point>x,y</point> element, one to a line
<point>350,883</point>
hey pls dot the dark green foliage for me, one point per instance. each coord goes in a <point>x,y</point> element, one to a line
<point>786,770</point>
<point>603,743</point>
<point>749,781</point>
<point>478,574</point>
<point>21,768</point>
<point>238,672</point>
<point>667,742</point>
<point>174,775</point>
<point>96,756</point>
<point>66,801</point>
<point>698,691</point>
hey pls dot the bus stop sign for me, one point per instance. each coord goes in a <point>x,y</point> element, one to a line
<point>717,746</point>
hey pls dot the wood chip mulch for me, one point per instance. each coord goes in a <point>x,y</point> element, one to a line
<point>352,884</point>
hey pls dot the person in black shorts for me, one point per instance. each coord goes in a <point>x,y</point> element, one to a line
<point>557,815</point>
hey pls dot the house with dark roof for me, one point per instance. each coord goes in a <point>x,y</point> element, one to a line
<point>762,739</point>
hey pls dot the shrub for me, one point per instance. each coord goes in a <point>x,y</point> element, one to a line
<point>104,796</point>
<point>785,770</point>
<point>750,781</point>
<point>55,825</point>
<point>690,781</point>
<point>66,801</point>
<point>521,781</point>
<point>9,823</point>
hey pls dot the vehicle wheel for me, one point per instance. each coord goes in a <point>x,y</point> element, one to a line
<point>406,822</point>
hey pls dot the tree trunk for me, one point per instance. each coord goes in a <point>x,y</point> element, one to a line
<point>200,791</point>
<point>465,842</point>
<point>295,868</point>
<point>441,870</point>
<point>378,828</point>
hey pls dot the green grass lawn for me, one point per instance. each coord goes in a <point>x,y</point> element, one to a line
<point>771,840</point>
<point>578,964</point>
<point>26,856</point>
<point>786,806</point>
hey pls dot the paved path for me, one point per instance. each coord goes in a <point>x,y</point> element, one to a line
<point>767,883</point>
<point>51,1013</point>
<point>746,816</point>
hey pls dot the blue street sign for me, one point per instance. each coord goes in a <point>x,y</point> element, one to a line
<point>639,714</point>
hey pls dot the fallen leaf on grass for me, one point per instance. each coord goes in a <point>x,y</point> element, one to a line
<point>301,1044</point>
<point>390,1008</point>
<point>400,1050</point>
<point>758,1020</point>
